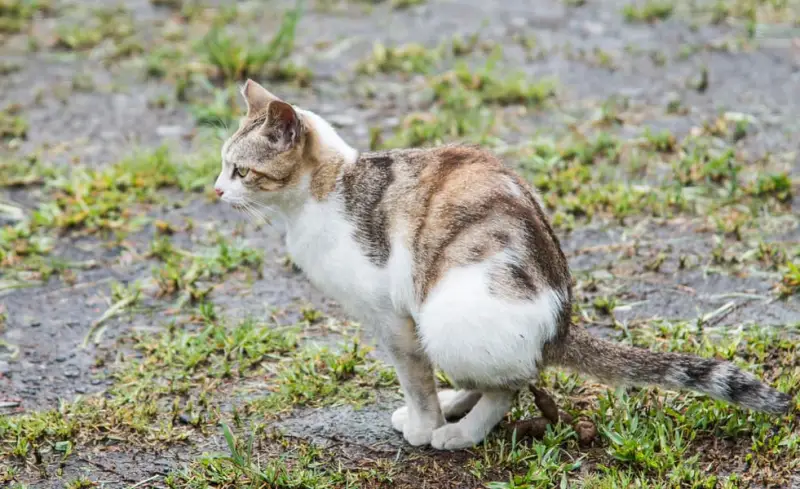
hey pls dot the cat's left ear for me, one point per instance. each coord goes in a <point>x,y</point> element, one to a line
<point>283,126</point>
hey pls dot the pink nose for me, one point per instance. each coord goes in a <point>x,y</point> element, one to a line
<point>219,191</point>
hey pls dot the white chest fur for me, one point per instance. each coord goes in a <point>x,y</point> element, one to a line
<point>320,240</point>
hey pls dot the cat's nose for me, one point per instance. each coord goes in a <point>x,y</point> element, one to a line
<point>219,191</point>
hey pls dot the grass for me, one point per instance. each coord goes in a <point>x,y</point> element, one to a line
<point>110,203</point>
<point>193,275</point>
<point>12,124</point>
<point>185,376</point>
<point>647,437</point>
<point>463,102</point>
<point>115,24</point>
<point>581,177</point>
<point>790,282</point>
<point>164,392</point>
<point>407,58</point>
<point>16,15</point>
<point>649,11</point>
<point>236,60</point>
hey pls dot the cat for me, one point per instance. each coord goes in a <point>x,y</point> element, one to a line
<point>449,255</point>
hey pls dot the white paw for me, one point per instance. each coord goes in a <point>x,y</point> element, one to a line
<point>452,437</point>
<point>417,434</point>
<point>400,418</point>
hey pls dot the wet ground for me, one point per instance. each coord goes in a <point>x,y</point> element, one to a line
<point>97,83</point>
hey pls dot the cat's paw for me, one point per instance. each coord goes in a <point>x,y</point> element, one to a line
<point>417,434</point>
<point>416,431</point>
<point>400,418</point>
<point>452,437</point>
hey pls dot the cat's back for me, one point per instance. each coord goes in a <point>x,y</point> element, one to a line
<point>452,206</point>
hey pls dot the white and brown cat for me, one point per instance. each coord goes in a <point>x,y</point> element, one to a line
<point>448,254</point>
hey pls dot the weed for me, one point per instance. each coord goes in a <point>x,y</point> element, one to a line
<point>22,172</point>
<point>790,282</point>
<point>650,11</point>
<point>404,4</point>
<point>663,141</point>
<point>605,305</point>
<point>409,58</point>
<point>236,60</point>
<point>15,15</point>
<point>453,87</point>
<point>12,124</point>
<point>319,376</point>
<point>105,23</point>
<point>189,273</point>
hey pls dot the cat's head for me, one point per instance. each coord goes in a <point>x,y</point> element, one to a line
<point>266,154</point>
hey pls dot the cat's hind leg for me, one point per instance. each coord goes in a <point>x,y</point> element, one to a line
<point>474,427</point>
<point>454,404</point>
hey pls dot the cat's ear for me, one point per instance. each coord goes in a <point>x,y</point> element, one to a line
<point>256,97</point>
<point>283,125</point>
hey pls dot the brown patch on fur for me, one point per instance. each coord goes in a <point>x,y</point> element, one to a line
<point>364,186</point>
<point>323,179</point>
<point>467,200</point>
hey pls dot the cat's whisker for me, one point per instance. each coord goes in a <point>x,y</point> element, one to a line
<point>255,213</point>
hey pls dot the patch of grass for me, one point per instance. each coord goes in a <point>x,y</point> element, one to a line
<point>109,202</point>
<point>12,124</point>
<point>452,87</point>
<point>193,275</point>
<point>790,282</point>
<point>320,377</point>
<point>649,11</point>
<point>581,178</point>
<point>164,391</point>
<point>24,171</point>
<point>221,111</point>
<point>441,125</point>
<point>404,4</point>
<point>235,60</point>
<point>462,105</point>
<point>15,15</point>
<point>408,58</point>
<point>287,463</point>
<point>114,23</point>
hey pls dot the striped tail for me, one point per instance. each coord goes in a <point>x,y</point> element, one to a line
<point>613,363</point>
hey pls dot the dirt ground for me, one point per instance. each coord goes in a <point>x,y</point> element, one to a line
<point>96,83</point>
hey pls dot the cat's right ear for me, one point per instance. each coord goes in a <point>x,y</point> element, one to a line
<point>257,97</point>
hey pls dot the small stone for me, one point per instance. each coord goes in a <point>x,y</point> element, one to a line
<point>5,367</point>
<point>96,381</point>
<point>80,390</point>
<point>61,358</point>
<point>185,418</point>
<point>71,371</point>
<point>519,22</point>
<point>593,28</point>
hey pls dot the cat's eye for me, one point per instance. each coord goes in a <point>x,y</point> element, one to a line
<point>242,172</point>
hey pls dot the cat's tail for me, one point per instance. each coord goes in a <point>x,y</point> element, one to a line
<point>613,363</point>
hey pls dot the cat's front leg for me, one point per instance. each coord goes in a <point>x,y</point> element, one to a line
<point>422,413</point>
